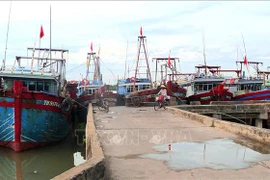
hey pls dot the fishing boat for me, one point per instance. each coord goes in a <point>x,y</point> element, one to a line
<point>206,84</point>
<point>90,88</point>
<point>90,84</point>
<point>204,87</point>
<point>34,106</point>
<point>251,88</point>
<point>169,77</point>
<point>138,89</point>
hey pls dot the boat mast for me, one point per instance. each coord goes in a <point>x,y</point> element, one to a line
<point>204,57</point>
<point>5,56</point>
<point>142,42</point>
<point>50,38</point>
<point>126,61</point>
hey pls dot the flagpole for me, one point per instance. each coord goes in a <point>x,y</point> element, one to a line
<point>245,53</point>
<point>50,39</point>
<point>39,44</point>
<point>126,61</point>
<point>4,60</point>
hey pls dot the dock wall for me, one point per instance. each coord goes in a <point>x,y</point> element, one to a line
<point>258,134</point>
<point>94,167</point>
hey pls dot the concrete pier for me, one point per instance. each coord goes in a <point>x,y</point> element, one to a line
<point>128,133</point>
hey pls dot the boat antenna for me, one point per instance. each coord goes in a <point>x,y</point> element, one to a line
<point>126,61</point>
<point>5,56</point>
<point>50,38</point>
<point>244,44</point>
<point>204,57</point>
<point>246,53</point>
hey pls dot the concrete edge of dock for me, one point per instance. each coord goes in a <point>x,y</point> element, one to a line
<point>258,134</point>
<point>94,167</point>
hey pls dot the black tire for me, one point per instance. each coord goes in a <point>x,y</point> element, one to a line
<point>106,106</point>
<point>136,101</point>
<point>66,105</point>
<point>164,105</point>
<point>156,105</point>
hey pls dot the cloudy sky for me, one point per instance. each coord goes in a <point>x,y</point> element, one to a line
<point>168,25</point>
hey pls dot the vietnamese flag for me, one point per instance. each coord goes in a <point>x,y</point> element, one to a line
<point>245,60</point>
<point>41,34</point>
<point>91,46</point>
<point>169,61</point>
<point>141,31</point>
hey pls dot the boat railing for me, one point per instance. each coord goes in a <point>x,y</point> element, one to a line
<point>27,70</point>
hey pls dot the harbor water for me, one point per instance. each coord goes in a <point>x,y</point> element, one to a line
<point>41,163</point>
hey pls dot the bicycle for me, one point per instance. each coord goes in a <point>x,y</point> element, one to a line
<point>103,105</point>
<point>160,102</point>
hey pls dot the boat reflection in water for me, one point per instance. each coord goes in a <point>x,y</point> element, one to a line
<point>41,163</point>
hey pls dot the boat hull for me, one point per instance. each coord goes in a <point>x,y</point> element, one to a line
<point>149,95</point>
<point>31,119</point>
<point>263,95</point>
<point>207,97</point>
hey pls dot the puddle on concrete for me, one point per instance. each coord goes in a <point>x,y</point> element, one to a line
<point>214,154</point>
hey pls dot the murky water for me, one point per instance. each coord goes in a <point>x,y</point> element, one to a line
<point>214,154</point>
<point>42,163</point>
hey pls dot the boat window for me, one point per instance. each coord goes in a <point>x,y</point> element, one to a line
<point>210,86</point>
<point>32,86</point>
<point>145,86</point>
<point>47,86</point>
<point>24,84</point>
<point>205,87</point>
<point>8,84</point>
<point>40,86</point>
<point>130,88</point>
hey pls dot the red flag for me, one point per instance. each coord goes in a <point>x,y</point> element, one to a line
<point>141,31</point>
<point>41,34</point>
<point>91,46</point>
<point>231,80</point>
<point>169,61</point>
<point>245,60</point>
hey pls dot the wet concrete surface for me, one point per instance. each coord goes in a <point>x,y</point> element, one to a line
<point>213,154</point>
<point>135,143</point>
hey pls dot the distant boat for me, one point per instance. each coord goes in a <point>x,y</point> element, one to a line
<point>204,89</point>
<point>206,84</point>
<point>89,88</point>
<point>138,88</point>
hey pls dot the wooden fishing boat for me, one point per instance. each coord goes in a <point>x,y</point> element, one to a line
<point>34,106</point>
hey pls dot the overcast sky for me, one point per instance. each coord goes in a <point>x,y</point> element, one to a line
<point>168,25</point>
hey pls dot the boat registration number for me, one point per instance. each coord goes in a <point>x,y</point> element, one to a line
<point>51,103</point>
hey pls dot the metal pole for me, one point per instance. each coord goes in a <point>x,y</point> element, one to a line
<point>50,38</point>
<point>4,60</point>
